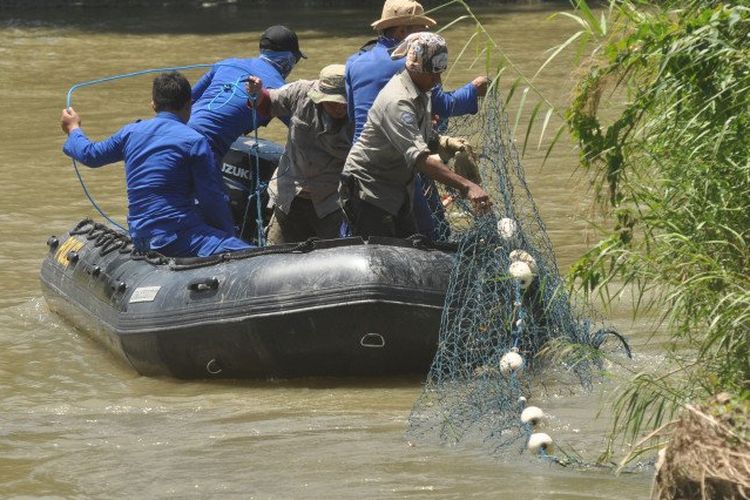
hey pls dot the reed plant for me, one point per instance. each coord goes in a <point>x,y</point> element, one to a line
<point>661,115</point>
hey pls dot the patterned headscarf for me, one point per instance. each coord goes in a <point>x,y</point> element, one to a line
<point>425,52</point>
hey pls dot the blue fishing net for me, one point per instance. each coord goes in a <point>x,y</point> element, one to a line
<point>508,313</point>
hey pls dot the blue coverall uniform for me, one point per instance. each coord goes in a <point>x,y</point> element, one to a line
<point>168,166</point>
<point>220,109</point>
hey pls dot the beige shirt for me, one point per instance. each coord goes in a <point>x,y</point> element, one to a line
<point>395,135</point>
<point>316,149</point>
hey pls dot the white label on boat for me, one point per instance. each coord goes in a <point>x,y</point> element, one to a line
<point>144,294</point>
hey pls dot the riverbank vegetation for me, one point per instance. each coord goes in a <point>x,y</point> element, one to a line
<point>660,114</point>
<point>671,172</point>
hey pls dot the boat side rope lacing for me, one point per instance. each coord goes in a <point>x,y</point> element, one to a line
<point>193,262</point>
<point>105,239</point>
<point>108,240</point>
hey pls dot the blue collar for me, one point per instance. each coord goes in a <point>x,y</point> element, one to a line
<point>387,42</point>
<point>168,115</point>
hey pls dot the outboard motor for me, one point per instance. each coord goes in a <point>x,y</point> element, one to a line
<point>238,170</point>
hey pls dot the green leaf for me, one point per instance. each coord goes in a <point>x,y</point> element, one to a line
<point>521,104</point>
<point>547,117</point>
<point>557,136</point>
<point>556,51</point>
<point>532,118</point>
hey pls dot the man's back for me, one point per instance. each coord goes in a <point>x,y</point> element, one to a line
<point>220,109</point>
<point>367,72</point>
<point>316,148</point>
<point>167,166</point>
<point>158,154</point>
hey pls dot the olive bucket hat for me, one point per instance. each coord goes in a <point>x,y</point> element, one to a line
<point>330,85</point>
<point>402,13</point>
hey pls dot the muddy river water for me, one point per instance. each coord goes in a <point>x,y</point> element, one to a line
<point>75,422</point>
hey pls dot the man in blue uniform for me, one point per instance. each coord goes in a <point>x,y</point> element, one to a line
<point>368,71</point>
<point>168,166</point>
<point>220,110</point>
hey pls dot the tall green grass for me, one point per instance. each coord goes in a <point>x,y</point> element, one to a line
<point>661,116</point>
<point>671,172</point>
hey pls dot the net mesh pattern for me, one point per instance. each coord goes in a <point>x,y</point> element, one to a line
<point>496,306</point>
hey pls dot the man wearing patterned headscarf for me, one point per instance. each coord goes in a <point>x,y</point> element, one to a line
<point>379,173</point>
<point>371,68</point>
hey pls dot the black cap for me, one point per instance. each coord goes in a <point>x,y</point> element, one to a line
<point>280,38</point>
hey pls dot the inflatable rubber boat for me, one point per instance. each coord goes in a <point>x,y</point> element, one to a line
<point>343,307</point>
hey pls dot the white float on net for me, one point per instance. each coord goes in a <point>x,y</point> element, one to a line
<point>507,228</point>
<point>521,271</point>
<point>524,256</point>
<point>540,442</point>
<point>532,415</point>
<point>511,362</point>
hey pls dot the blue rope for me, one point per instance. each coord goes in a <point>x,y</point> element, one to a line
<point>259,186</point>
<point>520,319</point>
<point>258,213</point>
<point>93,202</point>
<point>234,86</point>
<point>128,75</point>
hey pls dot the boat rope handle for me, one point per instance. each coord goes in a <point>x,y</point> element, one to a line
<point>88,83</point>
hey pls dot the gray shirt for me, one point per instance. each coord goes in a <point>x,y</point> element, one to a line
<point>316,149</point>
<point>395,135</point>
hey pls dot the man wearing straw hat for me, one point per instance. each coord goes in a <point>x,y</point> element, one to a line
<point>371,68</point>
<point>305,189</point>
<point>379,175</point>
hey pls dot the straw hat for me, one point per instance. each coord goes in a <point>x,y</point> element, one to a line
<point>330,86</point>
<point>402,13</point>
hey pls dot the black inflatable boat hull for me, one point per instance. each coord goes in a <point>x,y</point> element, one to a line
<point>331,308</point>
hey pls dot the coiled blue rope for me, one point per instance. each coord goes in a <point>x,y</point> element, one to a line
<point>234,87</point>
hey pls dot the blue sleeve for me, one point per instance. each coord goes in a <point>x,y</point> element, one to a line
<point>209,188</point>
<point>94,154</point>
<point>462,101</point>
<point>202,84</point>
<point>349,93</point>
